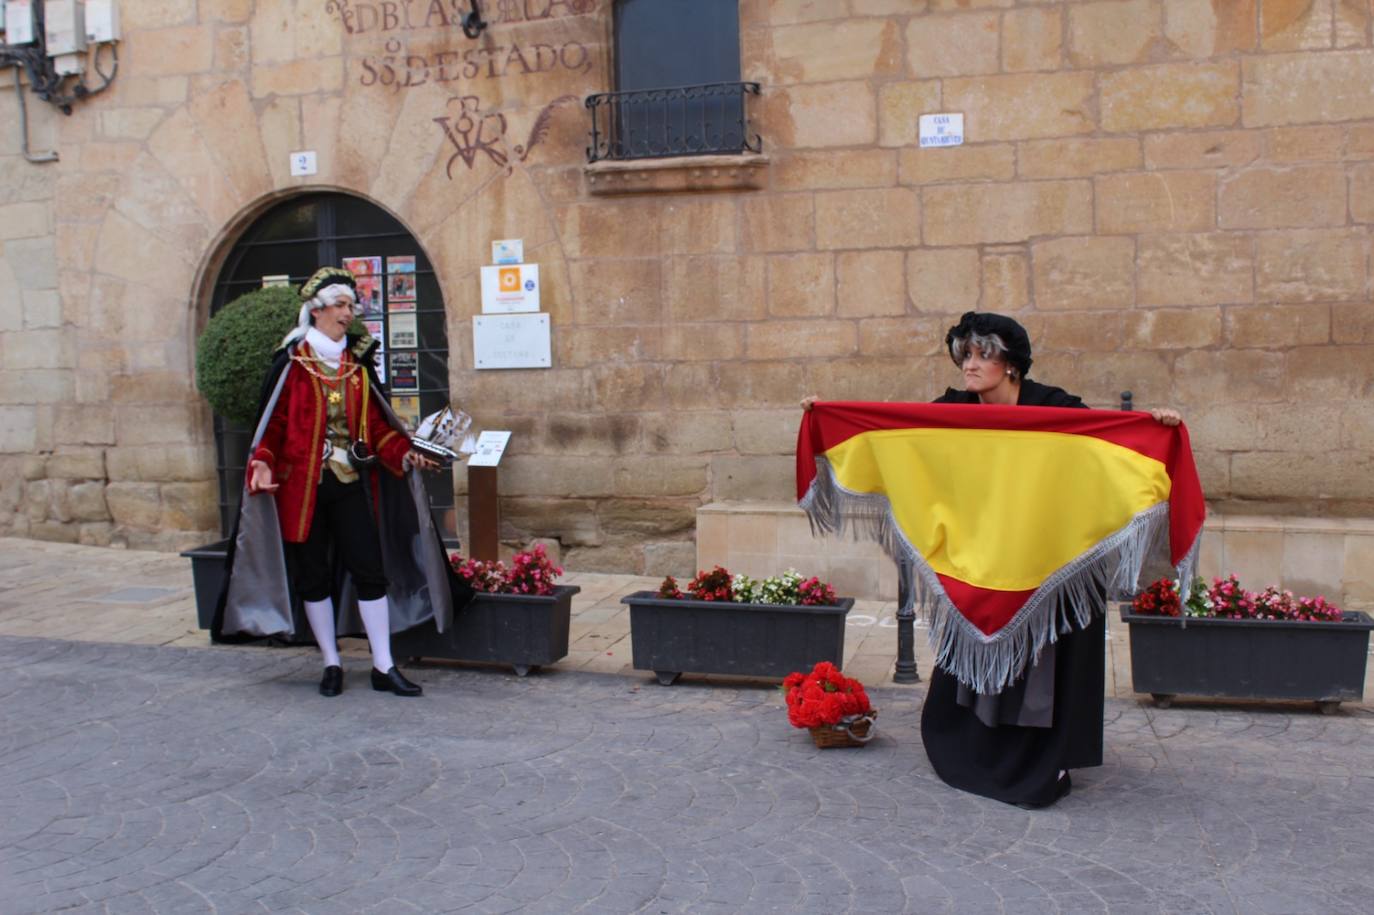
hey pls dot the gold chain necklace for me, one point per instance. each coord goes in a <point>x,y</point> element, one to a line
<point>334,396</point>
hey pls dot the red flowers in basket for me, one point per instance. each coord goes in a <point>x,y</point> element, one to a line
<point>530,572</point>
<point>823,697</point>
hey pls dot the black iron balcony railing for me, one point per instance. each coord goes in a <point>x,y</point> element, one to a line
<point>686,121</point>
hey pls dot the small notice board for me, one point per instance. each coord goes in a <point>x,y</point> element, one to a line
<point>515,341</point>
<point>490,446</point>
<point>510,288</point>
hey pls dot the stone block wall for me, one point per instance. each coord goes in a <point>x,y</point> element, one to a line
<point>1174,196</point>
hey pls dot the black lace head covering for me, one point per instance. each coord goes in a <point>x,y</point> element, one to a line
<point>985,324</point>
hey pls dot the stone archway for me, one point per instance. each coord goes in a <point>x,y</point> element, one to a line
<point>403,308</point>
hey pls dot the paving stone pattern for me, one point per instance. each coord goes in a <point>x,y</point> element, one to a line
<point>138,778</point>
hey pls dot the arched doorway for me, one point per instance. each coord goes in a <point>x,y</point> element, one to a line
<point>403,308</point>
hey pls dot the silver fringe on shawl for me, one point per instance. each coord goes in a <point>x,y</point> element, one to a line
<point>990,663</point>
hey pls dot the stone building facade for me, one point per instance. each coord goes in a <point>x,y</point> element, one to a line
<point>1175,197</point>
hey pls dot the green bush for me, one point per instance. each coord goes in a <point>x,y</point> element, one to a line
<point>235,351</point>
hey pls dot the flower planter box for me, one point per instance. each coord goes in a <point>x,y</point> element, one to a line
<point>523,630</point>
<point>207,573</point>
<point>1249,659</point>
<point>671,637</point>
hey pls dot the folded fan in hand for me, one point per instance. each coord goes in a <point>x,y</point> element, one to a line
<point>444,435</point>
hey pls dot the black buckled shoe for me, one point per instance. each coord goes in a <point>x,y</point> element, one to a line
<point>331,684</point>
<point>393,682</point>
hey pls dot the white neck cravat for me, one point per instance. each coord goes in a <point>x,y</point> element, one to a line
<point>326,349</point>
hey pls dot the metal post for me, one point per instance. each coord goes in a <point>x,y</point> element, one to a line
<point>905,672</point>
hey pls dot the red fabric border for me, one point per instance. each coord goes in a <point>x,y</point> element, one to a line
<point>987,609</point>
<point>830,423</point>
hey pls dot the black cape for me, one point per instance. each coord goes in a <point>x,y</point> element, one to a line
<point>257,599</point>
<point>1011,762</point>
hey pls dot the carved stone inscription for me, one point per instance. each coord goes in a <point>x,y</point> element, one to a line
<point>397,67</point>
<point>373,16</point>
<point>473,133</point>
<point>402,71</point>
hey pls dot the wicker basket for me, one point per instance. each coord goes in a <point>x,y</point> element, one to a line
<point>852,731</point>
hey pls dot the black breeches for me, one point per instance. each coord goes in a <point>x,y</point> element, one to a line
<point>342,517</point>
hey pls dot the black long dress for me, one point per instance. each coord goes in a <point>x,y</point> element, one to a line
<point>1009,762</point>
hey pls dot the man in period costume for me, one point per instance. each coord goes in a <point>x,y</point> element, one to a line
<point>347,513</point>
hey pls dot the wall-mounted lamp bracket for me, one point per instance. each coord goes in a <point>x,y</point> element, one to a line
<point>473,24</point>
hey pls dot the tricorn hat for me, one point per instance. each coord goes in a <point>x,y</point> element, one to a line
<point>327,276</point>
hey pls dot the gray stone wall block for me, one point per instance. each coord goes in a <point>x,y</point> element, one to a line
<point>34,262</point>
<point>18,429</point>
<point>86,501</point>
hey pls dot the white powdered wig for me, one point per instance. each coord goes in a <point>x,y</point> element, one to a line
<point>322,299</point>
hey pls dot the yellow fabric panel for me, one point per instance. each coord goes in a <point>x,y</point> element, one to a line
<point>1001,509</point>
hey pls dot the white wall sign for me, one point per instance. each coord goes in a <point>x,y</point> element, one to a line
<point>516,341</point>
<point>490,446</point>
<point>942,130</point>
<point>508,251</point>
<point>508,289</point>
<point>303,163</point>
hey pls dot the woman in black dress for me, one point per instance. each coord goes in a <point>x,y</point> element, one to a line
<point>1017,745</point>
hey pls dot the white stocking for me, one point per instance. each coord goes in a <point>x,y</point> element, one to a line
<point>377,621</point>
<point>321,616</point>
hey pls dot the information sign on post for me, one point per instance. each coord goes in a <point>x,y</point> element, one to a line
<point>484,504</point>
<point>490,446</point>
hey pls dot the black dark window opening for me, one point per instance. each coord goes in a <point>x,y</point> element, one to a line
<point>297,237</point>
<point>677,79</point>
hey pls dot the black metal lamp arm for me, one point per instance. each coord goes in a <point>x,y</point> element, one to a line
<point>473,24</point>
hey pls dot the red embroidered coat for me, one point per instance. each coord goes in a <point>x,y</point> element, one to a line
<point>293,443</point>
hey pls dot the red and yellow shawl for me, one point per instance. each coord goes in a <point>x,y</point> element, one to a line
<point>1014,518</point>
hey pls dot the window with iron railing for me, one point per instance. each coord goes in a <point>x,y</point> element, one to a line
<point>678,89</point>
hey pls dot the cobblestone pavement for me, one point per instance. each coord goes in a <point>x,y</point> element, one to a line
<point>143,778</point>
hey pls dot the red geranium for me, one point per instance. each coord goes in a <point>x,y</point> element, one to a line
<point>1159,599</point>
<point>713,585</point>
<point>823,697</point>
